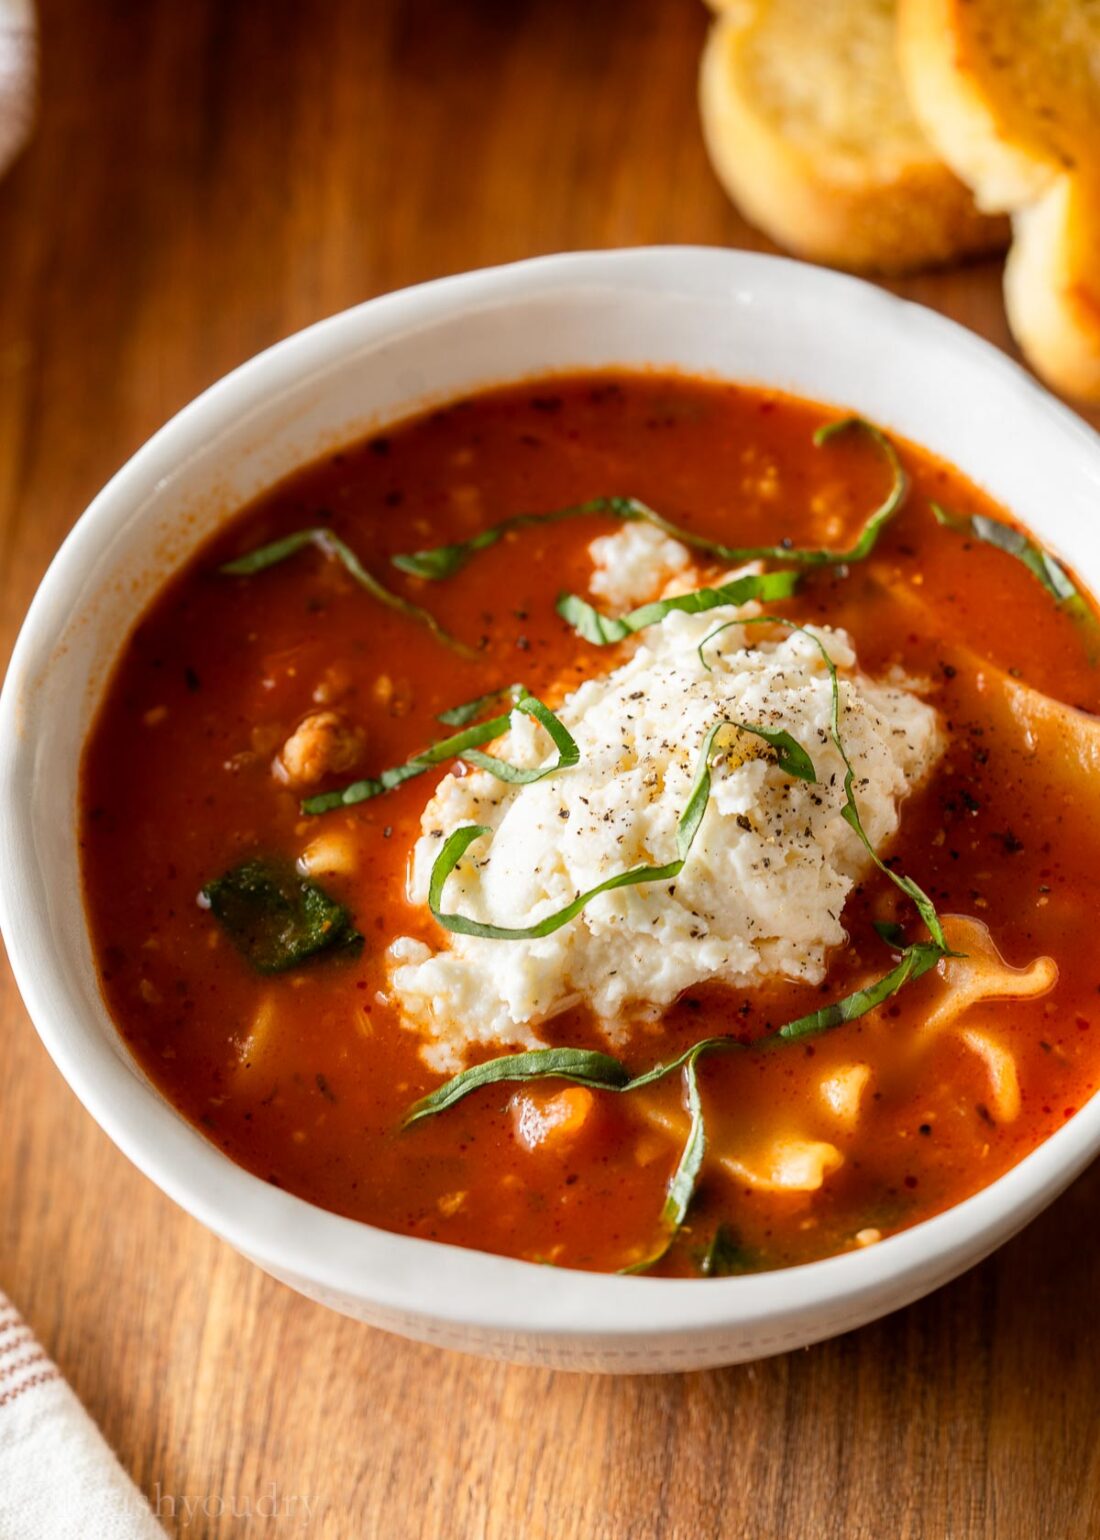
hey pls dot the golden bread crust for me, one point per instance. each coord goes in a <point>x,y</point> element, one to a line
<point>1009,93</point>
<point>808,129</point>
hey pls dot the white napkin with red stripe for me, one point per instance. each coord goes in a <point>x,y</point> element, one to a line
<point>58,1479</point>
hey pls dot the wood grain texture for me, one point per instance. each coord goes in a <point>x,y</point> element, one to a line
<point>206,178</point>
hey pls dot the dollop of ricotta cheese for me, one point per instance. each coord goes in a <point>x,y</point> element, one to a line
<point>636,562</point>
<point>764,884</point>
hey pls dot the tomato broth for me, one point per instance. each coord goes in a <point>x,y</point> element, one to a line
<point>304,1076</point>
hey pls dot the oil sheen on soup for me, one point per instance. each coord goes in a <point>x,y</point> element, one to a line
<point>625,822</point>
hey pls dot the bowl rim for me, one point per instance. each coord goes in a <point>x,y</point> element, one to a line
<point>413,1277</point>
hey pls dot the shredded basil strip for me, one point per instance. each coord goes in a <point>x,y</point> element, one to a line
<point>443,561</point>
<point>568,752</point>
<point>685,1178</point>
<point>458,842</point>
<point>916,960</point>
<point>850,811</point>
<point>332,546</point>
<point>580,1066</point>
<point>602,629</point>
<point>706,1045</point>
<point>681,1189</point>
<point>458,716</point>
<point>789,753</point>
<point>881,516</point>
<point>464,744</point>
<point>1040,563</point>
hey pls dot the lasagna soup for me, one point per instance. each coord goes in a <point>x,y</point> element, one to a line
<point>625,822</point>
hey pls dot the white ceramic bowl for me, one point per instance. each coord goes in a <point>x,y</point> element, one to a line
<point>740,316</point>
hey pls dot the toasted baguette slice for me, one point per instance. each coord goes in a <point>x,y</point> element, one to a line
<point>1009,93</point>
<point>807,125</point>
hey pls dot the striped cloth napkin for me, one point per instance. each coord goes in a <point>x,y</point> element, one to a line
<point>58,1479</point>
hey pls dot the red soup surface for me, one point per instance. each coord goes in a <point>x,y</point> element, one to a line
<point>238,696</point>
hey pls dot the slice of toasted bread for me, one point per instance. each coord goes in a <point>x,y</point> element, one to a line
<point>1009,93</point>
<point>808,127</point>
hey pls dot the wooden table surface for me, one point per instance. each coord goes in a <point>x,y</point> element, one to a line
<point>207,177</point>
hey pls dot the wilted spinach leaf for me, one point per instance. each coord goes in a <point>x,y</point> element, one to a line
<point>277,918</point>
<point>724,1255</point>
